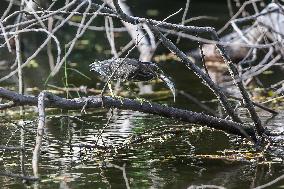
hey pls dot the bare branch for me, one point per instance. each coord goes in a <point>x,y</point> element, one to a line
<point>151,108</point>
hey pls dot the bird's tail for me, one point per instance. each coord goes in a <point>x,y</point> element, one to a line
<point>169,83</point>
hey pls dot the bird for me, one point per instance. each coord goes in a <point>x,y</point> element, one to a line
<point>130,69</point>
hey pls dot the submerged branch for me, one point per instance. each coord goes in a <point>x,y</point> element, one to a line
<point>30,178</point>
<point>40,133</point>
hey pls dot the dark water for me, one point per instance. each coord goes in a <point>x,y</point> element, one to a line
<point>179,160</point>
<point>180,156</point>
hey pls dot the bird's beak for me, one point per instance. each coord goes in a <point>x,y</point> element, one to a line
<point>94,66</point>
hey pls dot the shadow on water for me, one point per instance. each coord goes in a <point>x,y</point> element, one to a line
<point>181,156</point>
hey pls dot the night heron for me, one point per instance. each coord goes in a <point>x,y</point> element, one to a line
<point>127,69</point>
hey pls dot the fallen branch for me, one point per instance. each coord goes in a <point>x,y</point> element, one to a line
<point>54,101</point>
<point>270,183</point>
<point>40,132</point>
<point>123,172</point>
<point>257,105</point>
<point>18,176</point>
<point>11,148</point>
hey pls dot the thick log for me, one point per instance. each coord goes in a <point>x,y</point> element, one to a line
<point>202,119</point>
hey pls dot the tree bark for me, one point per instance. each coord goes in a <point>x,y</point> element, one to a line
<point>202,119</point>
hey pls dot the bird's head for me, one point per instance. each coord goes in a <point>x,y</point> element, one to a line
<point>95,67</point>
